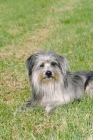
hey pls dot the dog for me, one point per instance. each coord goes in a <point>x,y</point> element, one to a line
<point>52,84</point>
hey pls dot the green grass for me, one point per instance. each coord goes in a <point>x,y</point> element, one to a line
<point>65,27</point>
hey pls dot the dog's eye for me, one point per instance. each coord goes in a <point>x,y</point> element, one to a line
<point>42,65</point>
<point>53,63</point>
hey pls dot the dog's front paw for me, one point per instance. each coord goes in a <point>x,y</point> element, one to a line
<point>49,108</point>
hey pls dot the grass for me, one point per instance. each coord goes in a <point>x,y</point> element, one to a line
<point>65,27</point>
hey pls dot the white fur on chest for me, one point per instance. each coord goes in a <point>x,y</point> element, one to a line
<point>54,94</point>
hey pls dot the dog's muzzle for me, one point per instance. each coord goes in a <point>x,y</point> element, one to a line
<point>48,74</point>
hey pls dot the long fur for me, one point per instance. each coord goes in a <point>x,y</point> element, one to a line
<point>52,84</point>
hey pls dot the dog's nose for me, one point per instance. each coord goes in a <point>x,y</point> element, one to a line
<point>49,74</point>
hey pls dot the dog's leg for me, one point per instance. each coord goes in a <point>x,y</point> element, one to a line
<point>89,87</point>
<point>30,105</point>
<point>49,108</point>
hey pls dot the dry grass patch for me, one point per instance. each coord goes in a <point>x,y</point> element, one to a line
<point>27,47</point>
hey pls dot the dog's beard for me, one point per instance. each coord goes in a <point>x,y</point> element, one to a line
<point>49,90</point>
<point>43,84</point>
<point>39,79</point>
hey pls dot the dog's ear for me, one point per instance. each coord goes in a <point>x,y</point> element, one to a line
<point>63,63</point>
<point>30,64</point>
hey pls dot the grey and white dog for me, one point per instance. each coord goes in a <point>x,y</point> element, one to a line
<point>52,84</point>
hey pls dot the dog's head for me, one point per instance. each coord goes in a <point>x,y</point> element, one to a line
<point>45,67</point>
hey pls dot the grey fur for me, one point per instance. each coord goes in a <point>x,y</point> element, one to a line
<point>59,88</point>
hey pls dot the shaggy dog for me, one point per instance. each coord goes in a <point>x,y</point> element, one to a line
<point>51,82</point>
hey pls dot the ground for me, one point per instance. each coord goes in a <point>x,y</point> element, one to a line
<point>26,27</point>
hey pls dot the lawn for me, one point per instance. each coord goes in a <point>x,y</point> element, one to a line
<point>26,27</point>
